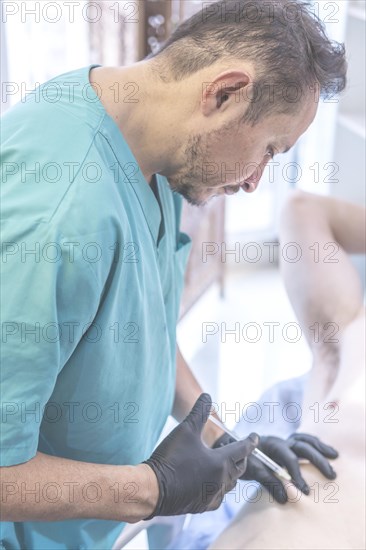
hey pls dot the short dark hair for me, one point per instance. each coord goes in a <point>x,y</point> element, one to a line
<point>285,40</point>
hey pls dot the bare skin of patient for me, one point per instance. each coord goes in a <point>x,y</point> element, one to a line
<point>333,515</point>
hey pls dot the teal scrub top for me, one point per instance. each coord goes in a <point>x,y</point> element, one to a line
<point>92,273</point>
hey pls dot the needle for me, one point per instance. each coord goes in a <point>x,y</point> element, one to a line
<point>271,464</point>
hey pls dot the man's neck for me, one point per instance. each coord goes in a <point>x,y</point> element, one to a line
<point>121,91</point>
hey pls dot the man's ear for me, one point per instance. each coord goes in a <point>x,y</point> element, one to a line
<point>228,87</point>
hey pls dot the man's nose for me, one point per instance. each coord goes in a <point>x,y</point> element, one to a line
<point>252,182</point>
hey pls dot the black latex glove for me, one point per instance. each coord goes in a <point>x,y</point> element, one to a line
<point>286,453</point>
<point>192,477</point>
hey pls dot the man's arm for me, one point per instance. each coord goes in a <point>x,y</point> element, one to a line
<point>49,488</point>
<point>182,476</point>
<point>187,390</point>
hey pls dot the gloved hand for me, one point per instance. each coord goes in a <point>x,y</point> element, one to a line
<point>192,477</point>
<point>285,453</point>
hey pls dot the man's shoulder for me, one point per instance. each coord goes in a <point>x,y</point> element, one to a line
<point>50,156</point>
<point>54,109</point>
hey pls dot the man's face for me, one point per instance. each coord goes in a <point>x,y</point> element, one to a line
<point>234,157</point>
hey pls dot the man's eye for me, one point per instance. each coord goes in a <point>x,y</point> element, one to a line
<point>270,152</point>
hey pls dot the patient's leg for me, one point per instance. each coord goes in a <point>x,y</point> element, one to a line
<point>324,287</point>
<point>333,515</point>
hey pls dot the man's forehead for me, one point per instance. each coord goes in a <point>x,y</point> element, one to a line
<point>293,126</point>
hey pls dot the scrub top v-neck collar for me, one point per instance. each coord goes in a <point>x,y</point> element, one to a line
<point>146,197</point>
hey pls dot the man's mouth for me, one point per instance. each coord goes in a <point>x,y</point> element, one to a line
<point>231,189</point>
<point>246,186</point>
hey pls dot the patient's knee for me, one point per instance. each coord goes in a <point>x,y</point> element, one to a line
<point>296,211</point>
<point>298,204</point>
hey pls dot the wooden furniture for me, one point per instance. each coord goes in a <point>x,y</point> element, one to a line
<point>206,227</point>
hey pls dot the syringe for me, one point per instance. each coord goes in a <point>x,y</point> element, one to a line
<point>271,464</point>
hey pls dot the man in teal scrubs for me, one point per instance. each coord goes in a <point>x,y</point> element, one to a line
<point>94,166</point>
